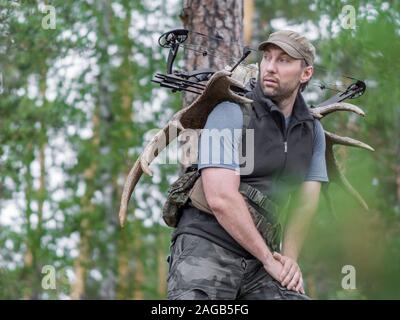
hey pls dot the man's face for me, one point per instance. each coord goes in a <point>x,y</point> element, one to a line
<point>280,74</point>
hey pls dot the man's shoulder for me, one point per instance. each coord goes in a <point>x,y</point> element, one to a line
<point>226,114</point>
<point>319,137</point>
<point>318,128</point>
<point>227,106</point>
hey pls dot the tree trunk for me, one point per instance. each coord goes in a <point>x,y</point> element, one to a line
<point>248,21</point>
<point>215,19</point>
<point>130,282</point>
<point>139,267</point>
<point>32,265</point>
<point>78,290</point>
<point>41,192</point>
<point>397,157</point>
<point>161,265</point>
<point>123,276</point>
<point>28,255</point>
<point>80,264</point>
<point>222,23</point>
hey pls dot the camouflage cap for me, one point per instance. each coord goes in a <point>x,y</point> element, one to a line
<point>294,44</point>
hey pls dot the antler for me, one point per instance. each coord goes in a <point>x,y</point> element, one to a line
<point>334,172</point>
<point>193,117</point>
<point>218,89</point>
<point>321,112</point>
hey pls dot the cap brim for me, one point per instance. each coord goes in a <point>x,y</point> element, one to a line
<point>284,46</point>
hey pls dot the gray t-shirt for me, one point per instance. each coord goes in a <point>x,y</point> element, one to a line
<point>227,117</point>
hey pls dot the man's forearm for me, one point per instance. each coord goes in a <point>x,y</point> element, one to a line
<point>300,220</point>
<point>235,218</point>
<point>295,234</point>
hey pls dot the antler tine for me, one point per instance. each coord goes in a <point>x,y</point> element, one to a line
<point>156,145</point>
<point>234,96</point>
<point>130,183</point>
<point>217,89</point>
<point>321,112</point>
<point>331,208</point>
<point>159,142</point>
<point>346,141</point>
<point>219,85</point>
<point>348,187</point>
<point>336,175</point>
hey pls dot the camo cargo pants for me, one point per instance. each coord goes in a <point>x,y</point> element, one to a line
<point>202,270</point>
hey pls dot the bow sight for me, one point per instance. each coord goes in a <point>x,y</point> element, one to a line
<point>189,81</point>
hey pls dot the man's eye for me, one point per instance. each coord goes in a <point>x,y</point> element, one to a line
<point>284,60</point>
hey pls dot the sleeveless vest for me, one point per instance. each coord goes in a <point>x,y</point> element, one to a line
<point>281,161</point>
<point>281,157</point>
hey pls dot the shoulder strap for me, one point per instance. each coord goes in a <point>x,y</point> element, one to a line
<point>247,190</point>
<point>246,115</point>
<point>258,198</point>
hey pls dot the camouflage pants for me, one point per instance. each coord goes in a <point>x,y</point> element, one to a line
<point>202,270</point>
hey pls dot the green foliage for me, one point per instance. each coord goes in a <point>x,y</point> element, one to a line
<point>81,95</point>
<point>71,91</point>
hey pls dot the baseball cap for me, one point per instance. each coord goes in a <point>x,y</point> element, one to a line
<point>294,44</point>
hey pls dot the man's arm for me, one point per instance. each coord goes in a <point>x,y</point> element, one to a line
<point>306,204</point>
<point>307,197</point>
<point>295,234</point>
<point>300,219</point>
<point>221,188</point>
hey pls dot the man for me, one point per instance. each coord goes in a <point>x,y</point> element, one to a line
<point>223,256</point>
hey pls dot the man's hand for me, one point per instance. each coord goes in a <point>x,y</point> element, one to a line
<point>274,267</point>
<point>290,275</point>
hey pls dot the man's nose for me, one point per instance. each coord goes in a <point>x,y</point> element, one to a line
<point>271,66</point>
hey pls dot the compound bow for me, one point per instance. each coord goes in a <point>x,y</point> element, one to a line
<point>194,81</point>
<point>214,87</point>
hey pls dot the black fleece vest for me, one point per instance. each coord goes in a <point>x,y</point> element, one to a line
<point>281,157</point>
<point>279,167</point>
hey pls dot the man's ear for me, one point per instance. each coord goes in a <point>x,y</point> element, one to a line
<point>306,74</point>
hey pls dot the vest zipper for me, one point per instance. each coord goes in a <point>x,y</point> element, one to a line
<point>285,148</point>
<point>286,133</point>
<point>285,144</point>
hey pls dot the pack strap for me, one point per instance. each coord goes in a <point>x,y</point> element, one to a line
<point>246,115</point>
<point>258,198</point>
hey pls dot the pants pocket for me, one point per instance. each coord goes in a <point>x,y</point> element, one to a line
<point>191,294</point>
<point>183,245</point>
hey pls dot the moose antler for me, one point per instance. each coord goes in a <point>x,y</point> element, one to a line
<point>217,89</point>
<point>334,172</point>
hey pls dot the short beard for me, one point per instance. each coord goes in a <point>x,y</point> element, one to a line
<point>279,94</point>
